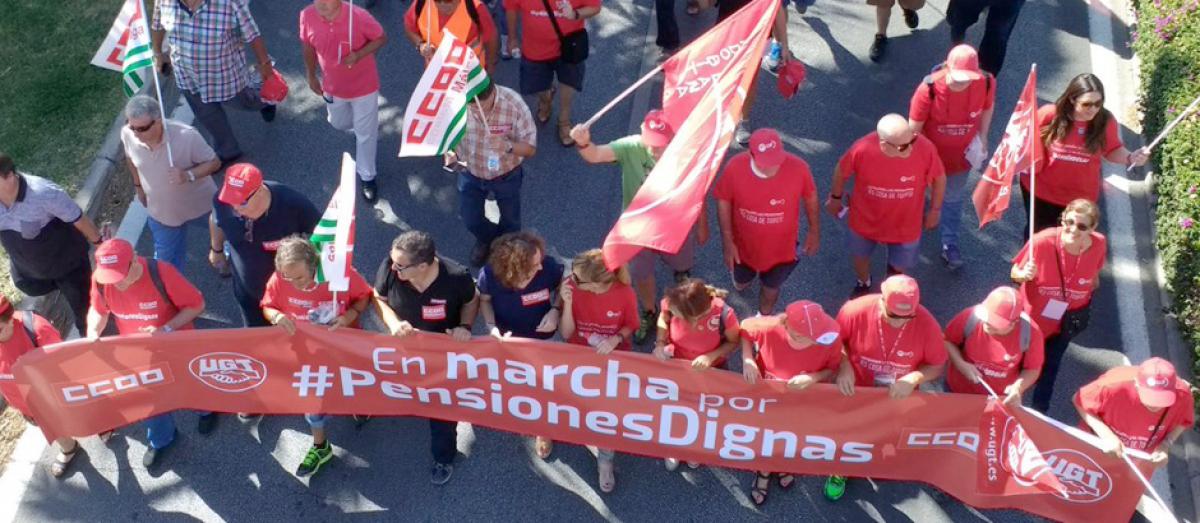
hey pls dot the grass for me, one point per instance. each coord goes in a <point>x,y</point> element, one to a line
<point>11,427</point>
<point>56,105</point>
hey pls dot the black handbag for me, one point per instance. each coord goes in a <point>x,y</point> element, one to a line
<point>1073,321</point>
<point>574,47</point>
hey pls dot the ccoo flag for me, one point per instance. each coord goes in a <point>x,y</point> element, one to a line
<point>1017,153</point>
<point>436,117</point>
<point>334,234</point>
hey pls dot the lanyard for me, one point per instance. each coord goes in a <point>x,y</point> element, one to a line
<point>887,354</point>
<point>1060,252</point>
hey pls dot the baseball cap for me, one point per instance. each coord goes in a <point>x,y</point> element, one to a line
<point>5,305</point>
<point>274,90</point>
<point>241,180</point>
<point>809,319</point>
<point>791,77</point>
<point>766,148</point>
<point>901,295</point>
<point>962,64</point>
<point>1001,308</point>
<point>656,130</point>
<point>113,259</point>
<point>1156,383</point>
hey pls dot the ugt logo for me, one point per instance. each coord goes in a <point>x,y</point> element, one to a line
<point>228,371</point>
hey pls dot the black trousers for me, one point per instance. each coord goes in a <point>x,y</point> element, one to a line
<point>1046,214</point>
<point>668,27</point>
<point>75,287</point>
<point>443,440</point>
<point>1056,348</point>
<point>1001,19</point>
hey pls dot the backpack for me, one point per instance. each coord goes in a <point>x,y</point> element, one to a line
<point>1026,330</point>
<point>929,79</point>
<point>155,277</point>
<point>27,324</point>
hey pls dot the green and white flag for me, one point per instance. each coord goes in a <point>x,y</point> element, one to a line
<point>334,234</point>
<point>127,48</point>
<point>436,117</point>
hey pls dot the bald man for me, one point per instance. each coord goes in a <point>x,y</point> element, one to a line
<point>893,168</point>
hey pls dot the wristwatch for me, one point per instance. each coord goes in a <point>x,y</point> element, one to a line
<point>166,328</point>
<point>191,175</point>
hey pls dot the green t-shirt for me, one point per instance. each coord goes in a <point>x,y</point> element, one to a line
<point>635,161</point>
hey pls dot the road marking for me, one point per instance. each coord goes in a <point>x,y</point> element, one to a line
<point>19,471</point>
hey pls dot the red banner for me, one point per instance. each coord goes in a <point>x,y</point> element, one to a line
<point>706,83</point>
<point>626,401</point>
<point>1015,154</point>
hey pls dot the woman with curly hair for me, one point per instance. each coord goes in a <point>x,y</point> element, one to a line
<point>518,287</point>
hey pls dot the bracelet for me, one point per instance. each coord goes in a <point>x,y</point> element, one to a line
<point>219,251</point>
<point>191,175</point>
<point>584,146</point>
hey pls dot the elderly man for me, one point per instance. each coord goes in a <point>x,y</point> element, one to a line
<point>207,58</point>
<point>46,236</point>
<point>172,168</point>
<point>892,169</point>
<point>1145,407</point>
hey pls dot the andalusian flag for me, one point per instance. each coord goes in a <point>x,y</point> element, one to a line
<point>436,117</point>
<point>126,48</point>
<point>334,234</point>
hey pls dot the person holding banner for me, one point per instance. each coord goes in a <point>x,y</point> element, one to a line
<point>953,107</point>
<point>293,295</point>
<point>1077,132</point>
<point>468,20</point>
<point>801,347</point>
<point>1059,271</point>
<point>891,341</point>
<point>599,311</point>
<point>995,342</point>
<point>349,81</point>
<point>20,334</point>
<point>415,289</point>
<point>1144,407</point>
<point>146,297</point>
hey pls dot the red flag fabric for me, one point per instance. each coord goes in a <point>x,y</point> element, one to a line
<point>1016,153</point>
<point>1009,462</point>
<point>703,94</point>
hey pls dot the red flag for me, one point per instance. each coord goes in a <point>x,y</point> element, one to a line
<point>703,94</point>
<point>1016,153</point>
<point>1008,461</point>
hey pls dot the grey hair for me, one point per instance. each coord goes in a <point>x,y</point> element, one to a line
<point>296,249</point>
<point>142,106</point>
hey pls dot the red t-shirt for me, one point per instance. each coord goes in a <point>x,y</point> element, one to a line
<point>688,342</point>
<point>1068,170</point>
<point>141,305</point>
<point>598,316</point>
<point>952,119</point>
<point>286,298</point>
<point>539,43</point>
<point>1114,399</point>
<point>880,353</point>
<point>765,211</point>
<point>18,345</point>
<point>486,23</point>
<point>888,202</point>
<point>999,359</point>
<point>779,360</point>
<point>1080,278</point>
<point>332,42</point>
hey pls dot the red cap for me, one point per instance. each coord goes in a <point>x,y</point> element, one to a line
<point>901,295</point>
<point>962,64</point>
<point>241,180</point>
<point>1001,308</point>
<point>1156,383</point>
<point>275,90</point>
<point>656,130</point>
<point>809,320</point>
<point>5,305</point>
<point>113,259</point>
<point>791,77</point>
<point>766,148</point>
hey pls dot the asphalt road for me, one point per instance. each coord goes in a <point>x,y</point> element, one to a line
<point>244,471</point>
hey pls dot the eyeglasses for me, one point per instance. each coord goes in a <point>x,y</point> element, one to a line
<point>143,128</point>
<point>1090,105</point>
<point>1080,226</point>
<point>901,147</point>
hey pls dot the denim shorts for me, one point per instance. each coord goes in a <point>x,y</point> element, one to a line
<point>899,255</point>
<point>537,77</point>
<point>772,278</point>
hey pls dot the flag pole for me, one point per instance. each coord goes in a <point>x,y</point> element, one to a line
<point>1145,483</point>
<point>1032,173</point>
<point>991,392</point>
<point>162,111</point>
<point>624,94</point>
<point>1170,127</point>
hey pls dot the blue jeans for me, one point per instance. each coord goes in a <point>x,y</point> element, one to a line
<point>170,243</point>
<point>506,189</point>
<point>315,421</point>
<point>496,8</point>
<point>952,207</point>
<point>160,430</point>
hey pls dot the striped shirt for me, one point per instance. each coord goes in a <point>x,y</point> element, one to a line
<point>509,119</point>
<point>206,45</point>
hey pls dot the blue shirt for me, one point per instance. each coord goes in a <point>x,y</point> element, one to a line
<point>38,230</point>
<point>253,242</point>
<point>521,310</point>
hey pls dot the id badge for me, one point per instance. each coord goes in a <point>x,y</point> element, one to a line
<point>884,380</point>
<point>1054,309</point>
<point>493,162</point>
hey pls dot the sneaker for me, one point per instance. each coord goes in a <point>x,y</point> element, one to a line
<point>370,191</point>
<point>360,420</point>
<point>878,48</point>
<point>671,464</point>
<point>802,5</point>
<point>649,322</point>
<point>861,288</point>
<point>154,456</point>
<point>479,254</point>
<point>952,257</point>
<point>504,54</point>
<point>680,276</point>
<point>441,473</point>
<point>771,59</point>
<point>910,18</point>
<point>248,416</point>
<point>742,134</point>
<point>207,423</point>
<point>835,487</point>
<point>268,113</point>
<point>317,455</point>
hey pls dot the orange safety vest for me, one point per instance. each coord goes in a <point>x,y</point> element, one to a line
<point>459,25</point>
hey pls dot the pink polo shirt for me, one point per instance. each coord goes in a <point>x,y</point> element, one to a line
<point>332,42</point>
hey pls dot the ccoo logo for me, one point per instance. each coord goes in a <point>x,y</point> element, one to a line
<point>228,371</point>
<point>1083,481</point>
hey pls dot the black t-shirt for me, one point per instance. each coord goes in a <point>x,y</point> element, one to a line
<point>254,246</point>
<point>438,308</point>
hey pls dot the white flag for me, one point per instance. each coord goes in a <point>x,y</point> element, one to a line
<point>436,117</point>
<point>334,234</point>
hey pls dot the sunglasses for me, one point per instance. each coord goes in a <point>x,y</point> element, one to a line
<point>1081,226</point>
<point>901,147</point>
<point>1090,105</point>
<point>401,268</point>
<point>897,316</point>
<point>143,128</point>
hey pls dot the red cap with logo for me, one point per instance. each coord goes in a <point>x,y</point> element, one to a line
<point>791,76</point>
<point>1156,383</point>
<point>1002,308</point>
<point>809,320</point>
<point>766,148</point>
<point>113,258</point>
<point>656,130</point>
<point>901,295</point>
<point>962,64</point>
<point>241,180</point>
<point>275,90</point>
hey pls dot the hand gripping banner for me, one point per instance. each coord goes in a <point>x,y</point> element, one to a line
<point>625,401</point>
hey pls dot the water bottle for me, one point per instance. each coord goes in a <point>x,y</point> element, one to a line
<point>773,55</point>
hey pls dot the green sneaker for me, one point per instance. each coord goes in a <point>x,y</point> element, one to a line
<point>649,323</point>
<point>835,487</point>
<point>317,456</point>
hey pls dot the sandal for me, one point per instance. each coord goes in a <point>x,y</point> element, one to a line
<point>105,436</point>
<point>543,108</point>
<point>762,485</point>
<point>786,481</point>
<point>564,134</point>
<point>63,461</point>
<point>543,447</point>
<point>608,478</point>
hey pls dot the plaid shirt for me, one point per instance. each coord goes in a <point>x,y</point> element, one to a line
<point>207,45</point>
<point>509,118</point>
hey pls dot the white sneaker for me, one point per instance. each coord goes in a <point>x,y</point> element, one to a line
<point>504,54</point>
<point>671,464</point>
